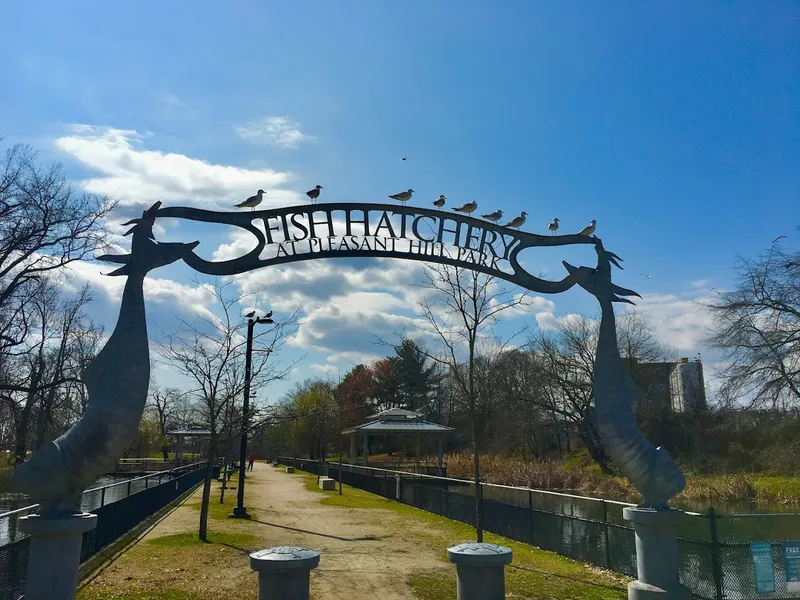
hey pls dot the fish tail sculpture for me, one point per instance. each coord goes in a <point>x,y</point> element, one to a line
<point>117,381</point>
<point>651,470</point>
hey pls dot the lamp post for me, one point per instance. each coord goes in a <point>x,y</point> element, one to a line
<point>239,511</point>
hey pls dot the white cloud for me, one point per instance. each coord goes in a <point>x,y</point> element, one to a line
<point>326,369</point>
<point>191,300</point>
<point>680,321</point>
<point>700,283</point>
<point>548,321</point>
<point>136,176</point>
<point>274,131</point>
<point>529,306</point>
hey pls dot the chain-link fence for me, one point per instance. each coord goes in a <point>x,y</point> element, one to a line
<point>119,508</point>
<point>733,557</point>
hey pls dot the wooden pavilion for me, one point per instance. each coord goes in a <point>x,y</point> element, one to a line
<point>397,422</point>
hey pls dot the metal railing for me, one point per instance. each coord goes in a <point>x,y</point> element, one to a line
<point>715,553</point>
<point>97,497</point>
<point>119,508</point>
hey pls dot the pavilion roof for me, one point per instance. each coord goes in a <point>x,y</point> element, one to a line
<point>191,431</point>
<point>394,413</point>
<point>390,426</point>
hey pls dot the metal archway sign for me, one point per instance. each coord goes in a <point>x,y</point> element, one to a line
<point>339,230</point>
<point>117,379</point>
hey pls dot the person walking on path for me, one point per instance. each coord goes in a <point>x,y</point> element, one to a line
<point>250,460</point>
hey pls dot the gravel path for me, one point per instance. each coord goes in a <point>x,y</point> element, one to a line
<point>367,553</point>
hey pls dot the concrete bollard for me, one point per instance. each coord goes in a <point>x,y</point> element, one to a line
<point>326,483</point>
<point>290,469</point>
<point>480,569</point>
<point>55,554</point>
<point>283,572</point>
<point>656,554</point>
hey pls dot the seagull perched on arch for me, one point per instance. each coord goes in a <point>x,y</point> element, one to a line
<point>517,222</point>
<point>314,193</point>
<point>467,208</point>
<point>589,229</point>
<point>403,196</point>
<point>494,217</point>
<point>252,201</point>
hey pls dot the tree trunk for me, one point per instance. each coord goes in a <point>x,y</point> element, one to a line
<point>165,451</point>
<point>224,480</point>
<point>206,496</point>
<point>566,436</point>
<point>595,447</point>
<point>478,489</point>
<point>21,433</point>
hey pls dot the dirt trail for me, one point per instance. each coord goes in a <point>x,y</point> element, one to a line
<point>363,552</point>
<point>366,553</point>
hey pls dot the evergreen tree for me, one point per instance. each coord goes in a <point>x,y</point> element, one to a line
<point>415,380</point>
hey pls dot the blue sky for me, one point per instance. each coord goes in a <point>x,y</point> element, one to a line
<point>676,126</point>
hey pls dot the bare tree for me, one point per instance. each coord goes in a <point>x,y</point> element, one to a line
<point>168,406</point>
<point>460,313</point>
<point>42,377</point>
<point>211,353</point>
<point>564,357</point>
<point>44,226</point>
<point>521,423</point>
<point>758,330</point>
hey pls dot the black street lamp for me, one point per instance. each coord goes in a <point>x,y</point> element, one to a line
<point>239,510</point>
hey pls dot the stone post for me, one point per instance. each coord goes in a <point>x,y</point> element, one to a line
<point>656,554</point>
<point>55,554</point>
<point>353,449</point>
<point>480,570</point>
<point>283,572</point>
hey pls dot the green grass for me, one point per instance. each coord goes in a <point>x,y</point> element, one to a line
<point>534,573</point>
<point>88,567</point>
<point>160,594</point>
<point>428,587</point>
<point>183,540</point>
<point>778,486</point>
<point>217,511</point>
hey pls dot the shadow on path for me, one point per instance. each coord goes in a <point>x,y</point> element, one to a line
<point>366,538</point>
<point>237,548</point>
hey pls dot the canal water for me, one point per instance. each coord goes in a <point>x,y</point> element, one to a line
<point>12,501</point>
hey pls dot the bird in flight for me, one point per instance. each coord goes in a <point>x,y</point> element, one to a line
<point>780,237</point>
<point>314,194</point>
<point>468,208</point>
<point>517,222</point>
<point>589,229</point>
<point>252,201</point>
<point>403,196</point>
<point>554,225</point>
<point>646,276</point>
<point>439,202</point>
<point>494,217</point>
<point>403,158</point>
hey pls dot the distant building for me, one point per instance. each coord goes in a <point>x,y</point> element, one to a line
<point>679,386</point>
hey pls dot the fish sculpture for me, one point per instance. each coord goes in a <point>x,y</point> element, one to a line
<point>651,470</point>
<point>117,382</point>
